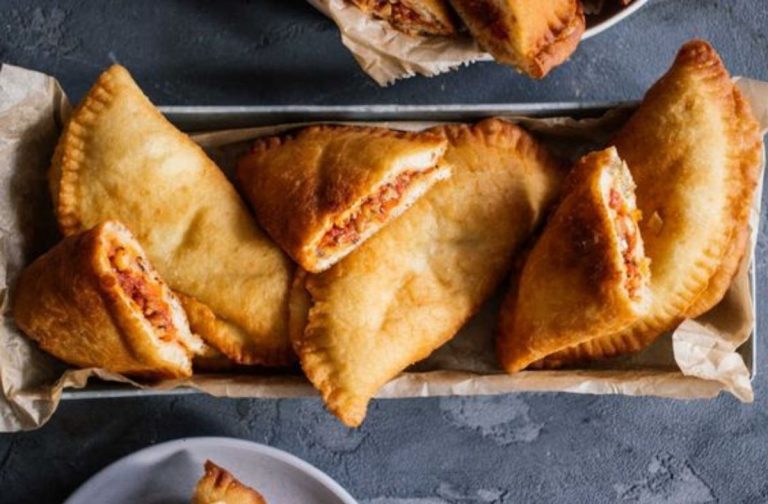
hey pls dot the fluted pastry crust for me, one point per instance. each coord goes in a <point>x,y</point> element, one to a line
<point>586,276</point>
<point>411,287</point>
<point>693,148</point>
<point>119,158</point>
<point>534,36</point>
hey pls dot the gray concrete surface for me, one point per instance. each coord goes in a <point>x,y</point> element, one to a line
<point>508,449</point>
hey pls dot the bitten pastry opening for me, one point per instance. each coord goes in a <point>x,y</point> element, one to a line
<point>149,294</point>
<point>626,217</point>
<point>96,301</point>
<point>144,290</point>
<point>370,213</point>
<point>321,191</point>
<point>585,277</point>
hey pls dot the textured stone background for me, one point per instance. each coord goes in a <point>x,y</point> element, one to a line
<point>515,448</point>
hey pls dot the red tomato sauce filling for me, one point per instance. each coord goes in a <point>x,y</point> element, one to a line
<point>403,16</point>
<point>134,279</point>
<point>627,230</point>
<point>373,209</point>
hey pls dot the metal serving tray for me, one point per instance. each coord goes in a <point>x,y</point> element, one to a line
<point>211,118</point>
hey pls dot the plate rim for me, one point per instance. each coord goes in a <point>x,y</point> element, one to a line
<point>611,21</point>
<point>253,446</point>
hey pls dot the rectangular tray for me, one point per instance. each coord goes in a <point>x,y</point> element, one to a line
<point>193,119</point>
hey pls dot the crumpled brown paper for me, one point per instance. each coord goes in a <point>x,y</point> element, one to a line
<point>386,54</point>
<point>701,359</point>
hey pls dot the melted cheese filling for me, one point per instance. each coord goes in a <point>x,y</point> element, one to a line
<point>144,291</point>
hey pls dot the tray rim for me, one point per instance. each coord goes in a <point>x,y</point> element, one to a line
<point>179,113</point>
<point>390,107</point>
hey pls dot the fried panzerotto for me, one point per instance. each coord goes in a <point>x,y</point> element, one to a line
<point>413,17</point>
<point>94,300</point>
<point>587,275</point>
<point>693,148</point>
<point>218,486</point>
<point>211,360</point>
<point>323,191</point>
<point>411,287</point>
<point>534,36</point>
<point>119,158</point>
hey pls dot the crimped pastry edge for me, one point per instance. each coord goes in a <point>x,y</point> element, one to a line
<point>688,300</point>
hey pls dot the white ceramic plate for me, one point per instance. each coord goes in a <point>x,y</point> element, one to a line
<point>167,474</point>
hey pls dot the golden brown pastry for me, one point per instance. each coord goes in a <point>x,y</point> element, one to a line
<point>721,281</point>
<point>534,36</point>
<point>413,17</point>
<point>411,287</point>
<point>119,158</point>
<point>210,360</point>
<point>586,276</point>
<point>693,148</point>
<point>94,300</point>
<point>218,486</point>
<point>323,191</point>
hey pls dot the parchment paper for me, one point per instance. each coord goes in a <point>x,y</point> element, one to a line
<point>386,54</point>
<point>701,359</point>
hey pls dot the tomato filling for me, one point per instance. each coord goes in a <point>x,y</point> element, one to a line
<point>134,279</point>
<point>405,17</point>
<point>374,209</point>
<point>629,243</point>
